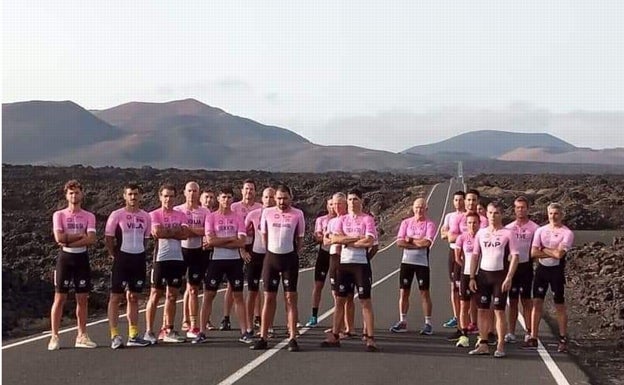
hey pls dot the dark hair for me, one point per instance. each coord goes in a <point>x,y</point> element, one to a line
<point>72,185</point>
<point>284,188</point>
<point>475,215</point>
<point>207,190</point>
<point>473,192</point>
<point>460,193</point>
<point>250,181</point>
<point>355,192</point>
<point>496,204</point>
<point>167,186</point>
<point>226,190</point>
<point>132,186</point>
<point>522,198</point>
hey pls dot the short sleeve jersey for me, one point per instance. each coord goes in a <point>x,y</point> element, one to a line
<point>282,228</point>
<point>524,238</point>
<point>466,242</point>
<point>253,220</point>
<point>553,238</point>
<point>355,226</point>
<point>320,226</point>
<point>169,249</point>
<point>332,229</point>
<point>242,210</point>
<point>494,246</point>
<point>195,219</point>
<point>457,224</point>
<point>222,226</point>
<point>130,229</point>
<point>73,222</point>
<point>415,229</point>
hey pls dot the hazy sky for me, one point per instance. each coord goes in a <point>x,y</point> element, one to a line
<point>385,75</point>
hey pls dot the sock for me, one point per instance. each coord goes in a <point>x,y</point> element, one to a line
<point>428,320</point>
<point>114,332</point>
<point>193,319</point>
<point>315,312</point>
<point>403,317</point>
<point>133,331</point>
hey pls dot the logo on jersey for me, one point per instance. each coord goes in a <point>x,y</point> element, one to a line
<point>213,282</point>
<point>484,299</point>
<point>286,282</point>
<point>405,281</point>
<point>496,300</point>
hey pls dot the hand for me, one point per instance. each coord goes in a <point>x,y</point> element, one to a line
<point>246,256</point>
<point>506,284</point>
<point>473,285</point>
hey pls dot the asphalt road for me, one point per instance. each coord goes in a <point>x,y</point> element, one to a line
<point>403,359</point>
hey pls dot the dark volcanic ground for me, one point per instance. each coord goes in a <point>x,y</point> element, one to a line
<point>595,288</point>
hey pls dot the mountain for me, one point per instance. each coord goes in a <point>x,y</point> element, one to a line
<point>489,144</point>
<point>578,155</point>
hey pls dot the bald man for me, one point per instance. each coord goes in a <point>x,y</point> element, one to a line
<point>415,238</point>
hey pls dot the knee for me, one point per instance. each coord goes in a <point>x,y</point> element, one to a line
<point>133,297</point>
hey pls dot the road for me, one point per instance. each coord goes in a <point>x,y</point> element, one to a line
<point>403,359</point>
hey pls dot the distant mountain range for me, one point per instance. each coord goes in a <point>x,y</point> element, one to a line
<point>190,134</point>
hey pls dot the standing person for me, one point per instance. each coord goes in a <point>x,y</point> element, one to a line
<point>169,228</point>
<point>523,229</point>
<point>126,234</point>
<point>226,233</point>
<point>550,246</point>
<point>356,233</point>
<point>241,208</point>
<point>321,266</point>
<point>257,254</point>
<point>74,231</point>
<point>459,205</point>
<point>208,200</point>
<point>415,238</point>
<point>194,256</point>
<point>463,257</point>
<point>493,245</point>
<point>282,229</point>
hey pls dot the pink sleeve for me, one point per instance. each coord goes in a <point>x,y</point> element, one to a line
<point>182,218</point>
<point>513,244</point>
<point>242,230</point>
<point>454,225</point>
<point>248,218</point>
<point>371,229</point>
<point>263,226</point>
<point>537,239</point>
<point>402,229</point>
<point>57,221</point>
<point>318,226</point>
<point>447,220</point>
<point>91,223</point>
<point>459,242</point>
<point>111,224</point>
<point>431,231</point>
<point>568,240</point>
<point>476,250</point>
<point>338,226</point>
<point>208,228</point>
<point>148,225</point>
<point>301,225</point>
<point>155,219</point>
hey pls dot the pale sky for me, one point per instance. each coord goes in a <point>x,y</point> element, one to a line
<point>385,75</point>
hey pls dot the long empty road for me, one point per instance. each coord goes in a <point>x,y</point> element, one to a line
<point>403,358</point>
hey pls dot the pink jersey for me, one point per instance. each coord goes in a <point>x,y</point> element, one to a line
<point>553,238</point>
<point>494,246</point>
<point>458,225</point>
<point>466,243</point>
<point>332,228</point>
<point>415,229</point>
<point>282,228</point>
<point>253,220</point>
<point>355,226</point>
<point>320,226</point>
<point>195,219</point>
<point>169,249</point>
<point>524,238</point>
<point>73,222</point>
<point>242,210</point>
<point>130,229</point>
<point>448,219</point>
<point>223,226</point>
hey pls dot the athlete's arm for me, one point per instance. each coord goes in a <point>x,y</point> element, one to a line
<point>459,256</point>
<point>233,242</point>
<point>510,273</point>
<point>87,240</point>
<point>343,239</point>
<point>363,243</point>
<point>299,245</point>
<point>109,242</point>
<point>545,252</point>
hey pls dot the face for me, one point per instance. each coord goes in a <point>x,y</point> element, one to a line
<point>473,224</point>
<point>330,206</point>
<point>521,209</point>
<point>225,200</point>
<point>74,196</point>
<point>471,202</point>
<point>248,191</point>
<point>481,210</point>
<point>191,192</point>
<point>167,197</point>
<point>354,203</point>
<point>494,215</point>
<point>419,207</point>
<point>555,216</point>
<point>132,197</point>
<point>458,202</point>
<point>283,200</point>
<point>208,200</point>
<point>268,197</point>
<point>340,206</point>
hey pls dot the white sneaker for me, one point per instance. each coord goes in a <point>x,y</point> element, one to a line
<point>173,337</point>
<point>54,343</point>
<point>527,337</point>
<point>510,338</point>
<point>85,342</point>
<point>117,342</point>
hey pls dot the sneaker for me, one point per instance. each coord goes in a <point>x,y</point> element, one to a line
<point>200,339</point>
<point>257,322</point>
<point>54,343</point>
<point>138,342</point>
<point>473,329</point>
<point>225,324</point>
<point>530,344</point>
<point>427,330</point>
<point>312,322</point>
<point>563,345</point>
<point>399,327</point>
<point>499,354</point>
<point>186,326</point>
<point>246,338</point>
<point>192,333</point>
<point>299,325</point>
<point>480,350</point>
<point>293,346</point>
<point>463,342</point>
<point>272,333</point>
<point>162,334</point>
<point>173,337</point>
<point>85,342</point>
<point>510,338</point>
<point>455,336</point>
<point>451,323</point>
<point>117,342</point>
<point>210,326</point>
<point>260,344</point>
<point>150,337</point>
